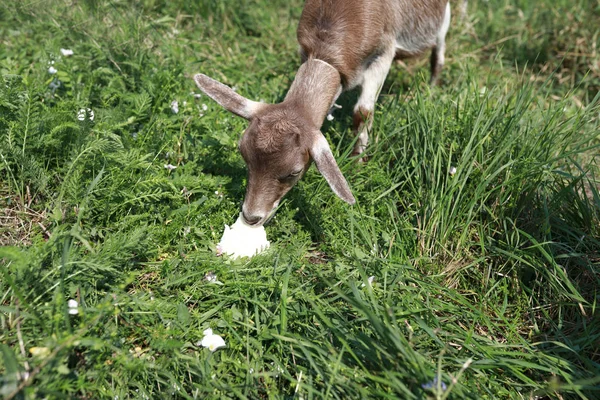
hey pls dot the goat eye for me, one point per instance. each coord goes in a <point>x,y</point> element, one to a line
<point>291,176</point>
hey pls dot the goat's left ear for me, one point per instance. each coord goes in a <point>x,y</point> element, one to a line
<point>325,162</point>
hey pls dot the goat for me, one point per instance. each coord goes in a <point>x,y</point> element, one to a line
<point>343,44</point>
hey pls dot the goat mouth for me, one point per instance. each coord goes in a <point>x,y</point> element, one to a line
<point>263,221</point>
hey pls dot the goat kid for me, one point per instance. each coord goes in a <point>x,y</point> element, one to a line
<point>343,44</point>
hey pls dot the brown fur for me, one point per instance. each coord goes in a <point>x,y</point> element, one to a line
<point>349,33</point>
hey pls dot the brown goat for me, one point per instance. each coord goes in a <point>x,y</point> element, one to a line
<point>343,44</point>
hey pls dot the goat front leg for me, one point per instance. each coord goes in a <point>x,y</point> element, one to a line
<point>437,54</point>
<point>373,79</point>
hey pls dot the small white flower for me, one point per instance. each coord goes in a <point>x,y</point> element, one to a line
<point>452,171</point>
<point>83,112</point>
<point>204,107</point>
<point>329,117</point>
<point>369,280</point>
<point>66,52</point>
<point>52,70</point>
<point>73,310</point>
<point>234,88</point>
<point>211,277</point>
<point>197,95</point>
<point>175,106</point>
<point>279,371</point>
<point>170,167</point>
<point>55,84</point>
<point>211,341</point>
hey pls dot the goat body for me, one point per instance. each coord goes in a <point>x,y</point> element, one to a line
<point>343,44</point>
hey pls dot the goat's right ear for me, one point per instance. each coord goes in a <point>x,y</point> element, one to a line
<point>226,97</point>
<point>325,162</point>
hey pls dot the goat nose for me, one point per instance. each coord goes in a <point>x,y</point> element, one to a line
<point>251,219</point>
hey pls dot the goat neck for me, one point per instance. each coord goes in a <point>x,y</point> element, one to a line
<point>314,90</point>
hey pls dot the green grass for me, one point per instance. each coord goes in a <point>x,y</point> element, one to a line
<point>486,281</point>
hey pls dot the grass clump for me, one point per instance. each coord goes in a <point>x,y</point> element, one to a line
<point>469,267</point>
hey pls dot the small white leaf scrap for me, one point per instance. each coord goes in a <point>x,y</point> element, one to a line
<point>170,167</point>
<point>329,117</point>
<point>212,341</point>
<point>66,52</point>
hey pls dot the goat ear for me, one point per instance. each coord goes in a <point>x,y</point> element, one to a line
<point>226,97</point>
<point>325,162</point>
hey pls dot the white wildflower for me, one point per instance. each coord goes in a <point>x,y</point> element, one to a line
<point>197,95</point>
<point>175,106</point>
<point>55,84</point>
<point>66,52</point>
<point>170,167</point>
<point>211,277</point>
<point>212,341</point>
<point>204,107</point>
<point>452,171</point>
<point>73,310</point>
<point>52,70</point>
<point>329,117</point>
<point>81,115</point>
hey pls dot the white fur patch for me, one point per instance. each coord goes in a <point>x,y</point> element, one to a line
<point>441,36</point>
<point>372,81</point>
